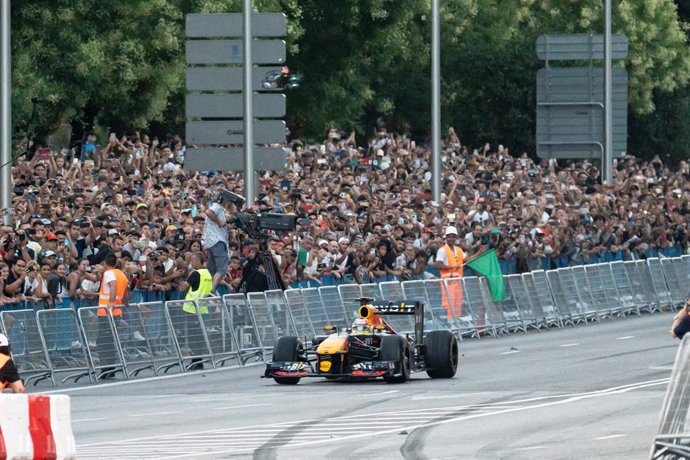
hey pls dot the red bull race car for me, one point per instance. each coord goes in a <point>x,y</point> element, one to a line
<point>369,349</point>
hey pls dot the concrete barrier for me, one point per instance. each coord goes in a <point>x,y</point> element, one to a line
<point>36,427</point>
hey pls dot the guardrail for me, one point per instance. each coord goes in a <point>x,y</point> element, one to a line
<point>673,438</point>
<point>153,338</point>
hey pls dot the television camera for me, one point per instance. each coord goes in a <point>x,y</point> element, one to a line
<point>257,226</point>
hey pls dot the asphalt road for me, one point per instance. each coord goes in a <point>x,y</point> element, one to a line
<point>593,391</point>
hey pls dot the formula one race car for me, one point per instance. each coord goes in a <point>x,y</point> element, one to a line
<point>367,350</point>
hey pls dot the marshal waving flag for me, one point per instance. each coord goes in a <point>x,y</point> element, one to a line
<point>487,264</point>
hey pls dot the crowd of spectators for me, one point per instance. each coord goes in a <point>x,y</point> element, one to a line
<point>364,213</point>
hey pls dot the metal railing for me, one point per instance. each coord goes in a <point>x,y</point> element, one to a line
<point>236,330</point>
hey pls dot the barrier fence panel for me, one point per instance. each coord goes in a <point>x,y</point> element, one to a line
<point>265,326</point>
<point>686,267</point>
<point>510,308</point>
<point>219,331</point>
<point>241,321</point>
<point>531,314</point>
<point>370,290</point>
<point>584,310</point>
<point>187,323</point>
<point>338,315</point>
<point>626,295</point>
<point>663,294</point>
<point>391,290</point>
<point>318,316</point>
<point>613,295</point>
<point>677,281</point>
<point>102,347</point>
<point>136,350</point>
<point>72,359</point>
<point>645,297</point>
<point>461,309</point>
<point>434,296</point>
<point>435,316</point>
<point>595,284</point>
<point>278,308</point>
<point>673,435</point>
<point>539,294</point>
<point>350,295</point>
<point>27,346</point>
<point>297,307</point>
<point>486,317</point>
<point>567,305</point>
<point>585,292</point>
<point>158,334</point>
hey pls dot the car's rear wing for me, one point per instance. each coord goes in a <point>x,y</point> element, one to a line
<point>370,307</point>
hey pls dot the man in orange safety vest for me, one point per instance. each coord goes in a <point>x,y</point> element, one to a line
<point>449,260</point>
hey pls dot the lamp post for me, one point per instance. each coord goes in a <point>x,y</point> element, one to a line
<point>436,100</point>
<point>5,113</point>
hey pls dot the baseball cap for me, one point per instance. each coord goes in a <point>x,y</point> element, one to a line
<point>3,341</point>
<point>170,228</point>
<point>322,242</point>
<point>51,237</point>
<point>49,253</point>
<point>344,239</point>
<point>112,232</point>
<point>451,231</point>
<point>142,205</point>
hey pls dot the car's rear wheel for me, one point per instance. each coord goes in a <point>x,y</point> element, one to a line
<point>441,354</point>
<point>397,349</point>
<point>287,349</point>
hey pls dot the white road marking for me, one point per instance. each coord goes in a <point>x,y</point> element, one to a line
<point>89,419</point>
<point>509,352</point>
<point>154,413</point>
<point>661,368</point>
<point>565,345</point>
<point>383,393</point>
<point>243,405</point>
<point>627,337</point>
<point>612,436</point>
<point>531,448</point>
<point>446,396</point>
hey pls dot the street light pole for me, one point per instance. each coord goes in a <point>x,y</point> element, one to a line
<point>607,161</point>
<point>248,107</point>
<point>6,112</point>
<point>436,100</point>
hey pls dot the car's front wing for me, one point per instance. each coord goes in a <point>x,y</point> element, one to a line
<point>363,369</point>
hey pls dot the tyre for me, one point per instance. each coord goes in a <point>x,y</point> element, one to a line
<point>441,354</point>
<point>397,349</point>
<point>287,349</point>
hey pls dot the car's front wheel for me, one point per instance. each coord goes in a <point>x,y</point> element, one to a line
<point>441,354</point>
<point>287,349</point>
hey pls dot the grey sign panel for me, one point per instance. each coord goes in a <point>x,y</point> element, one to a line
<point>232,159</point>
<point>231,51</point>
<point>226,78</point>
<point>230,25</point>
<point>232,132</point>
<point>579,47</point>
<point>570,112</point>
<point>270,105</point>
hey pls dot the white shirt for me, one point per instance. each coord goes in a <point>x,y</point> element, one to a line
<point>107,278</point>
<point>441,253</point>
<point>213,233</point>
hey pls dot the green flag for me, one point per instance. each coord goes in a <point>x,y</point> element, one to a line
<point>487,265</point>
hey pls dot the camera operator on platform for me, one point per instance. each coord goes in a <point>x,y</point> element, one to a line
<point>216,238</point>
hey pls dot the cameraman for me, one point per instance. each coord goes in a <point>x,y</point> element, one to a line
<point>216,239</point>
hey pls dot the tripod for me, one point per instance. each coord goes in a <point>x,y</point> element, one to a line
<point>275,281</point>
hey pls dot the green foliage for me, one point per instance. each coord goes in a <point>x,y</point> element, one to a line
<point>121,64</point>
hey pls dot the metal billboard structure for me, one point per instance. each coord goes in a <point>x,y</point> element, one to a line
<point>215,101</point>
<point>571,100</point>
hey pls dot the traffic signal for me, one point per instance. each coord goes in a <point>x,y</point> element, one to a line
<point>282,79</point>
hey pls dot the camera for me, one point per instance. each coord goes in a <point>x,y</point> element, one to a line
<point>234,198</point>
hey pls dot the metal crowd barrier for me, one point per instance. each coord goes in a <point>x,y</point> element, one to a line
<point>673,435</point>
<point>156,337</point>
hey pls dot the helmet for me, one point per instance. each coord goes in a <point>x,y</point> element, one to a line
<point>360,325</point>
